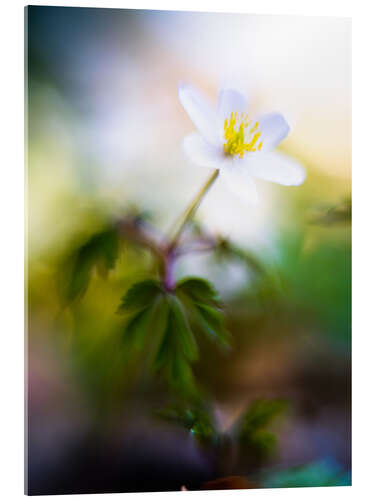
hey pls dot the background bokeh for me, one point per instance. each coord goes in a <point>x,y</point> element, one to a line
<point>104,139</point>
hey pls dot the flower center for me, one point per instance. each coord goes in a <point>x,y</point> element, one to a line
<point>239,137</point>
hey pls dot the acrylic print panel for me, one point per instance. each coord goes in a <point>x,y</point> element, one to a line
<point>189,249</point>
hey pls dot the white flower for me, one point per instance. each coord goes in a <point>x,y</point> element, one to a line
<point>227,140</point>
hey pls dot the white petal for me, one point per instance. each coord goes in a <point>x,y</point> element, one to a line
<point>201,112</point>
<point>273,128</point>
<point>275,167</point>
<point>201,153</point>
<point>230,100</point>
<point>239,180</point>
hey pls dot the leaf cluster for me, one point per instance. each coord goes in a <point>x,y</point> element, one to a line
<point>253,432</point>
<point>204,307</point>
<point>160,325</point>
<point>196,420</point>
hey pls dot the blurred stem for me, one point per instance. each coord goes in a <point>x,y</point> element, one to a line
<point>166,254</point>
<point>226,455</point>
<point>169,282</point>
<point>191,209</point>
<point>135,231</point>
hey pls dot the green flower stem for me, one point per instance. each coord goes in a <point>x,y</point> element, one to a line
<point>191,209</point>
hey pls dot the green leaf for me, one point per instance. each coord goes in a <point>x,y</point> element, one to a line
<point>263,442</point>
<point>159,328</point>
<point>198,290</point>
<point>140,295</point>
<point>175,369</point>
<point>177,351</point>
<point>253,431</point>
<point>212,322</point>
<point>76,279</point>
<point>202,428</point>
<point>178,342</point>
<point>181,330</point>
<point>165,347</point>
<point>202,299</point>
<point>261,413</point>
<point>145,331</point>
<point>107,247</point>
<point>100,250</point>
<point>136,328</point>
<point>181,375</point>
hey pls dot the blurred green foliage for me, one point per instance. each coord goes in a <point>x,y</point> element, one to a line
<point>140,296</point>
<point>250,431</point>
<point>100,251</point>
<point>334,214</point>
<point>317,271</point>
<point>253,433</point>
<point>159,336</point>
<point>202,301</point>
<point>157,333</point>
<point>320,473</point>
<point>197,421</point>
<point>158,324</point>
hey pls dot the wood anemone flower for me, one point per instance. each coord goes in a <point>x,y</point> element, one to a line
<point>239,147</point>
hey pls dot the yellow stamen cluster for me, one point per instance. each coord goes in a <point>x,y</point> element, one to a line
<point>237,136</point>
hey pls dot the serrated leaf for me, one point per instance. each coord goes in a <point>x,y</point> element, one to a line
<point>181,330</point>
<point>201,298</point>
<point>178,341</point>
<point>99,250</point>
<point>212,322</point>
<point>181,374</point>
<point>77,279</point>
<point>136,328</point>
<point>198,290</point>
<point>158,329</point>
<point>106,245</point>
<point>140,295</point>
<point>163,354</point>
<point>175,368</point>
<point>177,351</point>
